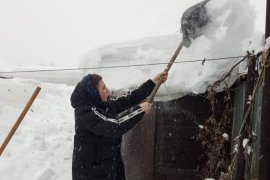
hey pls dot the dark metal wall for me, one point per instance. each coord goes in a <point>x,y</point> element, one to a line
<point>163,146</point>
<point>138,149</point>
<point>177,154</point>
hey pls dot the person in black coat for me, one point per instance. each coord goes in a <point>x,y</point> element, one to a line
<point>100,123</point>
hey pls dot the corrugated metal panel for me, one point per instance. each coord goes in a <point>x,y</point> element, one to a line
<point>251,169</point>
<point>238,108</point>
<point>256,128</point>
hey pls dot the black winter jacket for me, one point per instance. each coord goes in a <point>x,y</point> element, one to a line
<point>98,132</point>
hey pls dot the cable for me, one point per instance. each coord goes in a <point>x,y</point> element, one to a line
<point>121,66</point>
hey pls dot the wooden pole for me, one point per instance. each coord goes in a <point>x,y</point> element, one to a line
<point>169,65</point>
<point>19,120</point>
<point>264,161</point>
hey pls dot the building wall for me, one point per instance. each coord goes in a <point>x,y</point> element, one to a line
<point>177,154</point>
<point>162,146</point>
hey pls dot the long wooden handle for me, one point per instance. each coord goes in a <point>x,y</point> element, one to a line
<point>169,65</point>
<point>19,120</point>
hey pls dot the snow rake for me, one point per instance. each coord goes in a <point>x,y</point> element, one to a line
<point>193,23</point>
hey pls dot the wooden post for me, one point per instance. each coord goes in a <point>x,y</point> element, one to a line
<point>19,120</point>
<point>267,24</point>
<point>264,160</point>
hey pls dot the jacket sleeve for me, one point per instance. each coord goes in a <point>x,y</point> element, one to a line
<point>99,124</point>
<point>133,98</point>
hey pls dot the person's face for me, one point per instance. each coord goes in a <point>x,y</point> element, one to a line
<point>103,91</point>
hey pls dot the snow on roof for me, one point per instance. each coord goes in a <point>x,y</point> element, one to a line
<point>229,34</point>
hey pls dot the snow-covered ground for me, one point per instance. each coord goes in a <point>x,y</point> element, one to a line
<point>41,148</point>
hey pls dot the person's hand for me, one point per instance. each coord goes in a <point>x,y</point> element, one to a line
<point>160,77</point>
<point>146,106</point>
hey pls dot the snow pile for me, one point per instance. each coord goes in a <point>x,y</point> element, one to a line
<point>5,67</point>
<point>42,146</point>
<point>229,33</point>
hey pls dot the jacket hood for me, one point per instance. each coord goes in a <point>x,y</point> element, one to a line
<point>86,94</point>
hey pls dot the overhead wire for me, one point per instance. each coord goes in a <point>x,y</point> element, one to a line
<point>121,66</point>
